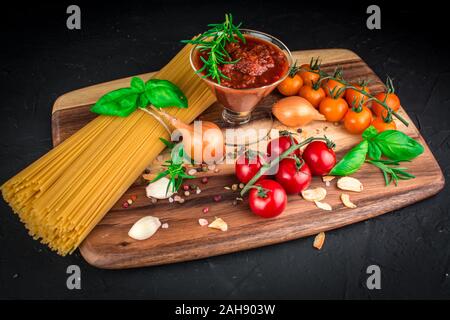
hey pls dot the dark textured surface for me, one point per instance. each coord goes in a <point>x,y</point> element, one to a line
<point>41,59</point>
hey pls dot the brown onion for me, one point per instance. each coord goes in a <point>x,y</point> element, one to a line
<point>295,111</point>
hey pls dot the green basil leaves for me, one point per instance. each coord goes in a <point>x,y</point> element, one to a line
<point>392,144</point>
<point>122,102</point>
<point>352,161</point>
<point>397,146</point>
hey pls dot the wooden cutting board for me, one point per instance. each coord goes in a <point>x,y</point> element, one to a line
<point>108,245</point>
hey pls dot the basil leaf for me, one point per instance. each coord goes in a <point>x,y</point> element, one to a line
<point>369,133</point>
<point>138,84</point>
<point>120,102</point>
<point>374,151</point>
<point>352,161</point>
<point>142,100</point>
<point>163,94</point>
<point>398,146</point>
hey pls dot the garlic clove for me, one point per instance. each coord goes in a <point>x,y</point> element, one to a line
<point>350,184</point>
<point>345,198</point>
<point>144,228</point>
<point>219,224</point>
<point>158,189</point>
<point>323,205</point>
<point>316,194</point>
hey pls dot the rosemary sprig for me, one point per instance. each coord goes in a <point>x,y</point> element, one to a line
<point>174,167</point>
<point>391,171</point>
<point>213,42</point>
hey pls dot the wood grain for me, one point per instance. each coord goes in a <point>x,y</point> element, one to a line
<point>108,245</point>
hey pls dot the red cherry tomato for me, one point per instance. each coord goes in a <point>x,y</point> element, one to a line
<point>269,200</point>
<point>293,175</point>
<point>319,157</point>
<point>247,165</point>
<point>279,145</point>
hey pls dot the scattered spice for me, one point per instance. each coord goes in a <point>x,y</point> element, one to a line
<point>193,186</point>
<point>133,197</point>
<point>192,172</point>
<point>216,170</point>
<point>205,210</point>
<point>130,202</point>
<point>176,198</point>
<point>227,188</point>
<point>299,130</point>
<point>203,222</point>
<point>234,187</point>
<point>241,185</point>
<point>181,200</point>
<point>198,191</point>
<point>125,205</point>
<point>205,180</point>
<point>154,200</point>
<point>217,198</point>
<point>185,187</point>
<point>165,225</point>
<point>170,199</point>
<point>187,193</point>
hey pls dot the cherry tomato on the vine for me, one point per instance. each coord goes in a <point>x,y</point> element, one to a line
<point>247,165</point>
<point>320,157</point>
<point>314,94</point>
<point>333,109</point>
<point>356,121</point>
<point>332,86</point>
<point>392,101</point>
<point>310,72</point>
<point>382,125</point>
<point>291,85</point>
<point>279,145</point>
<point>354,97</point>
<point>267,199</point>
<point>294,175</point>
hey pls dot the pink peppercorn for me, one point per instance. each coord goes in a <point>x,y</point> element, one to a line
<point>205,210</point>
<point>217,198</point>
<point>125,205</point>
<point>133,197</point>
<point>185,187</point>
<point>205,180</point>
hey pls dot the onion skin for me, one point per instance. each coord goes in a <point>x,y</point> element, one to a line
<point>295,111</point>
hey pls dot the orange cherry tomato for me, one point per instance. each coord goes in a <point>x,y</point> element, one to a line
<point>354,97</point>
<point>333,86</point>
<point>381,125</point>
<point>334,110</point>
<point>313,94</point>
<point>392,101</point>
<point>356,122</point>
<point>308,75</point>
<point>291,85</point>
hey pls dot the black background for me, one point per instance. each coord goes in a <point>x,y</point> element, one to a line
<point>41,59</point>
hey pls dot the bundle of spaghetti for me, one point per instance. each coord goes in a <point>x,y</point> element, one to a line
<point>63,195</point>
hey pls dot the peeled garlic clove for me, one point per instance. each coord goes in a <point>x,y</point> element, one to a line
<point>327,178</point>
<point>316,194</point>
<point>323,205</point>
<point>158,189</point>
<point>350,184</point>
<point>345,198</point>
<point>144,228</point>
<point>219,224</point>
<point>319,241</point>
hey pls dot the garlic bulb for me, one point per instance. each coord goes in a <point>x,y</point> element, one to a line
<point>158,189</point>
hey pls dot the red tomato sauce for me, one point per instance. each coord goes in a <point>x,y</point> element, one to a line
<point>260,63</point>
